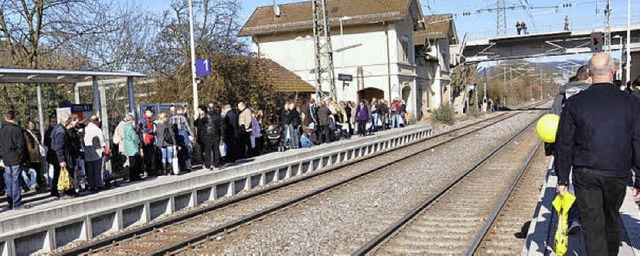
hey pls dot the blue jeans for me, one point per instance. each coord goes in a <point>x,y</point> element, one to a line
<point>12,182</point>
<point>374,124</point>
<point>295,136</point>
<point>29,177</point>
<point>167,155</point>
<point>395,121</point>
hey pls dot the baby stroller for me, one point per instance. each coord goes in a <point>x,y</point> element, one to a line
<point>342,131</point>
<point>274,139</point>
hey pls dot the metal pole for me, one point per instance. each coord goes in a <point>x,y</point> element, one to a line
<point>628,64</point>
<point>132,96</point>
<point>40,112</point>
<point>620,66</point>
<point>193,60</point>
<point>342,56</point>
<point>541,77</point>
<point>96,96</point>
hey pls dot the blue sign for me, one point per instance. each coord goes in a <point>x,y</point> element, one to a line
<point>203,67</point>
<point>345,77</point>
<point>78,107</point>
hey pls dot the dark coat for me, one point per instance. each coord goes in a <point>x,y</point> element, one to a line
<point>323,115</point>
<point>599,130</point>
<point>295,118</point>
<point>285,117</point>
<point>47,137</point>
<point>60,150</point>
<point>166,134</point>
<point>13,145</point>
<point>309,117</point>
<point>209,128</point>
<point>362,112</point>
<point>231,125</point>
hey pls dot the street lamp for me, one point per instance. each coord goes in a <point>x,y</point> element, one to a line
<point>345,18</point>
<point>619,74</point>
<point>193,60</point>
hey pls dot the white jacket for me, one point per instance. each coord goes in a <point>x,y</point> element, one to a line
<point>93,143</point>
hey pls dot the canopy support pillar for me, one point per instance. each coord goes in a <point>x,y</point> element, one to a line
<point>40,112</point>
<point>96,96</point>
<point>132,100</point>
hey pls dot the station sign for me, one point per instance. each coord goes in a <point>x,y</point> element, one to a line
<point>203,67</point>
<point>345,77</point>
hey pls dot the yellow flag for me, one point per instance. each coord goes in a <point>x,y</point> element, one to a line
<point>562,204</point>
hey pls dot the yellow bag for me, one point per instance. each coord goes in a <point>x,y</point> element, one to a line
<point>562,204</point>
<point>64,181</point>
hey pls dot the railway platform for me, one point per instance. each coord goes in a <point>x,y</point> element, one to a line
<point>55,223</point>
<point>540,237</point>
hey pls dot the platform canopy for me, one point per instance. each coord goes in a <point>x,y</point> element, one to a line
<point>38,77</point>
<point>50,76</point>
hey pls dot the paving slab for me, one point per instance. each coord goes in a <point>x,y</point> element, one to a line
<point>540,236</point>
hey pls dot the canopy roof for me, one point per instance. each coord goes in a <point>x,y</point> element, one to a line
<point>20,75</point>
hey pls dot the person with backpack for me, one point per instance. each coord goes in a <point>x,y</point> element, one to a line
<point>579,83</point>
<point>166,136</point>
<point>147,131</point>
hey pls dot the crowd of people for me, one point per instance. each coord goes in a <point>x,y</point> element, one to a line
<point>71,158</point>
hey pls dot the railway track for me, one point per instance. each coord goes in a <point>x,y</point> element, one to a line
<point>505,236</point>
<point>456,220</point>
<point>179,232</point>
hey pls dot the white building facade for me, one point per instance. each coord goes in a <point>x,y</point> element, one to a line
<point>375,46</point>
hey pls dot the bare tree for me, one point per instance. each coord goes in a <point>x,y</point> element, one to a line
<point>216,25</point>
<point>33,29</point>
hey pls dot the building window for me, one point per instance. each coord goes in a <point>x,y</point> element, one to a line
<point>404,43</point>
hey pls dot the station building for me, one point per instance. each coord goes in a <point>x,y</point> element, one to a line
<point>372,40</point>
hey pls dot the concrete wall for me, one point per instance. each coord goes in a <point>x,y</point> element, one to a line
<point>46,227</point>
<point>380,69</point>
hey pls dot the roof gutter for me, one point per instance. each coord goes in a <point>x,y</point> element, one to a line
<point>356,20</point>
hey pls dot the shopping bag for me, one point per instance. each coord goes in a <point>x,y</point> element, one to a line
<point>223,149</point>
<point>65,182</point>
<point>562,204</point>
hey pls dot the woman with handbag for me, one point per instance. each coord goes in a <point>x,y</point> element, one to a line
<point>60,156</point>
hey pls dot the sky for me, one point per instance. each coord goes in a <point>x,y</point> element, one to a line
<point>541,16</point>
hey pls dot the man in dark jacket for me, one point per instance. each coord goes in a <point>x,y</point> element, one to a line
<point>285,123</point>
<point>599,137</point>
<point>47,134</point>
<point>296,123</point>
<point>231,134</point>
<point>14,154</point>
<point>209,126</point>
<point>60,153</point>
<point>323,123</point>
<point>310,113</point>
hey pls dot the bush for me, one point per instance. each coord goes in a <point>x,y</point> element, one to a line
<point>444,114</point>
<point>473,111</point>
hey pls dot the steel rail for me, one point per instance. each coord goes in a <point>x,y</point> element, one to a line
<point>494,215</point>
<point>394,228</point>
<point>203,236</point>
